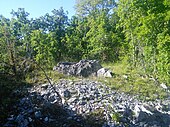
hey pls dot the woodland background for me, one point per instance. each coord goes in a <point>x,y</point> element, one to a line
<point>133,32</point>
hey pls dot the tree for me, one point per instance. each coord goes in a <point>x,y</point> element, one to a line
<point>48,37</point>
<point>76,41</point>
<point>55,26</point>
<point>41,48</point>
<point>101,36</point>
<point>8,50</point>
<point>92,7</point>
<point>144,23</point>
<point>21,29</point>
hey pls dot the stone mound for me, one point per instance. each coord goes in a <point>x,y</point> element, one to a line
<point>83,68</point>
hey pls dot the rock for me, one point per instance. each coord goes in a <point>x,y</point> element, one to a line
<point>46,119</point>
<point>103,72</point>
<point>142,116</point>
<point>25,123</point>
<point>54,68</point>
<point>163,85</point>
<point>11,118</point>
<point>67,93</point>
<point>83,103</point>
<point>30,119</point>
<point>83,68</point>
<point>108,74</point>
<point>19,118</point>
<point>37,114</point>
<point>69,118</point>
<point>72,100</point>
<point>30,111</point>
<point>125,76</point>
<point>8,124</point>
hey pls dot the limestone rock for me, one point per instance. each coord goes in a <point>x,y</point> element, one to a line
<point>103,72</point>
<point>83,68</point>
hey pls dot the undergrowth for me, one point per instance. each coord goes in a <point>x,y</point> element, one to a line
<point>8,85</point>
<point>134,82</point>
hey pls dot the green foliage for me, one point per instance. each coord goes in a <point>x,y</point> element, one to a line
<point>116,117</point>
<point>75,39</point>
<point>103,40</point>
<point>163,57</point>
<point>41,47</point>
<point>146,26</point>
<point>89,7</point>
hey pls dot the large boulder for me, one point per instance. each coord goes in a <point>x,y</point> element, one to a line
<point>104,72</point>
<point>83,68</point>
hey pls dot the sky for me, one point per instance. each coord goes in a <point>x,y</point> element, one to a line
<point>36,8</point>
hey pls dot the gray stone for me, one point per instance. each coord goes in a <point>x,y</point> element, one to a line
<point>38,114</point>
<point>46,119</point>
<point>83,68</point>
<point>142,116</point>
<point>108,74</point>
<point>8,124</point>
<point>30,119</point>
<point>69,118</point>
<point>72,100</point>
<point>103,72</point>
<point>163,85</point>
<point>11,118</point>
<point>30,111</point>
<point>83,102</point>
<point>20,118</point>
<point>67,93</point>
<point>25,123</point>
<point>73,91</point>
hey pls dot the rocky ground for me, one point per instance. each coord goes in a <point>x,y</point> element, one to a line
<point>85,103</point>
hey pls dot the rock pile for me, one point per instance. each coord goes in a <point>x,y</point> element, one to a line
<point>86,103</point>
<point>83,68</point>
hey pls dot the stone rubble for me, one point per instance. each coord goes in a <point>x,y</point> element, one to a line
<point>83,68</point>
<point>86,103</point>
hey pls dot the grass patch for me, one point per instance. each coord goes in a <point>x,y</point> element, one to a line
<point>134,82</point>
<point>40,78</point>
<point>116,116</point>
